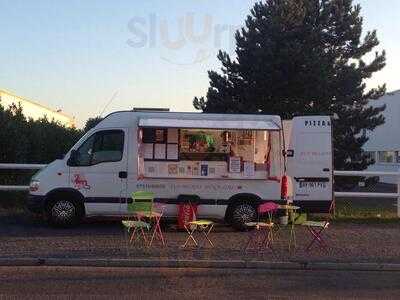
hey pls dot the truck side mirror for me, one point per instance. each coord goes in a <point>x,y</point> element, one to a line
<point>72,160</point>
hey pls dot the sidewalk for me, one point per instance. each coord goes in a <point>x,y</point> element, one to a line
<point>24,237</point>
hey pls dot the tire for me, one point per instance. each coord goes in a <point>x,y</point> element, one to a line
<point>63,212</point>
<point>242,213</point>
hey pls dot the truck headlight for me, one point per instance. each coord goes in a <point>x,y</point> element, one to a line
<point>34,185</point>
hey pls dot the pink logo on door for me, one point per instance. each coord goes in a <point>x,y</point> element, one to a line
<point>80,182</point>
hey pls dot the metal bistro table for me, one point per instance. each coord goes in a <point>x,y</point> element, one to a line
<point>290,209</point>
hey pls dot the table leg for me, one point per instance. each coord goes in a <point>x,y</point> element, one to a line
<point>292,238</point>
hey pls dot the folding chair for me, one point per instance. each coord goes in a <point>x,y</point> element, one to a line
<point>151,212</point>
<point>262,235</point>
<point>200,226</point>
<point>138,227</point>
<point>268,208</point>
<point>204,226</point>
<point>142,203</point>
<point>317,228</point>
<point>156,214</point>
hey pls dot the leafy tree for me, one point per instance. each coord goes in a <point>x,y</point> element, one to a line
<point>29,141</point>
<point>13,134</point>
<point>92,122</point>
<point>304,57</point>
<point>49,140</point>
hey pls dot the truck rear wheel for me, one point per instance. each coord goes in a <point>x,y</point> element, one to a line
<point>64,212</point>
<point>242,213</point>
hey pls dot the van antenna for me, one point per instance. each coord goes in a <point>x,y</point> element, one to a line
<point>109,102</point>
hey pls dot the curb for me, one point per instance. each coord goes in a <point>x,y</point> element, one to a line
<point>210,264</point>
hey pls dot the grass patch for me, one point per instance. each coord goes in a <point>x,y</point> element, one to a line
<point>366,210</point>
<point>13,202</point>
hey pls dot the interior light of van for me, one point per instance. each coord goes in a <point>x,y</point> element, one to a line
<point>34,185</point>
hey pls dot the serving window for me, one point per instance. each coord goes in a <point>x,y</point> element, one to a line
<point>209,153</point>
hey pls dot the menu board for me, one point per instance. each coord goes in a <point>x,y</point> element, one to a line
<point>148,151</point>
<point>248,169</point>
<point>159,151</point>
<point>234,164</point>
<point>172,151</point>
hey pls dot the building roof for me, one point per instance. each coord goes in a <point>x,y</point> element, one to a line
<point>392,93</point>
<point>2,91</point>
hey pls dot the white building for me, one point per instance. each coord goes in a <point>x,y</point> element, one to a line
<point>35,110</point>
<point>384,143</point>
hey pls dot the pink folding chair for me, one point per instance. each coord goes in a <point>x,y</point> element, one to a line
<point>267,208</point>
<point>262,234</point>
<point>154,218</point>
<point>159,209</point>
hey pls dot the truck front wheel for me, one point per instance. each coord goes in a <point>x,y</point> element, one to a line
<point>242,213</point>
<point>64,213</point>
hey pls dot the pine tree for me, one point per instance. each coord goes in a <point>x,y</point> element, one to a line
<point>304,57</point>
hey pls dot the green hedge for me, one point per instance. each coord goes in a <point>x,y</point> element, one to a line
<point>32,141</point>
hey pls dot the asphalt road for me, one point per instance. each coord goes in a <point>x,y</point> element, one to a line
<point>80,282</point>
<point>24,236</point>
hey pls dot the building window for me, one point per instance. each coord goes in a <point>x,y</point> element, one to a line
<point>398,157</point>
<point>387,157</point>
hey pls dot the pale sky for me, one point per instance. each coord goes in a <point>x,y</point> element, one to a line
<point>78,55</point>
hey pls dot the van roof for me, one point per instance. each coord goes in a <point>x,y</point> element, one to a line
<point>125,119</point>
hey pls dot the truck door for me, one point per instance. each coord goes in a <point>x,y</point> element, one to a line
<point>310,163</point>
<point>100,171</point>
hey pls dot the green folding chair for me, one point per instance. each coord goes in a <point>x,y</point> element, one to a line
<point>142,204</point>
<point>146,209</point>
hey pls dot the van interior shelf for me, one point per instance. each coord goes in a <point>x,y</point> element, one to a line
<point>208,156</point>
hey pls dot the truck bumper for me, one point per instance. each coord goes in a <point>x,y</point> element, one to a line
<point>36,203</point>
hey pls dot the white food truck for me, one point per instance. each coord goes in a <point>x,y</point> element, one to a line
<point>226,164</point>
